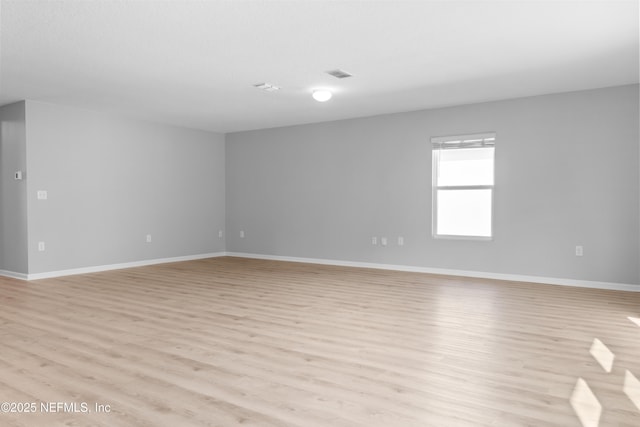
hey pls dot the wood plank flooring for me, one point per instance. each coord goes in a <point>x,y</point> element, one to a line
<point>229,341</point>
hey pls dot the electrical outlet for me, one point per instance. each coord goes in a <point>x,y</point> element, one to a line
<point>40,246</point>
<point>383,241</point>
<point>220,234</point>
<point>579,251</point>
<point>148,238</point>
<point>42,195</point>
<point>374,241</point>
<point>242,234</point>
<point>400,241</point>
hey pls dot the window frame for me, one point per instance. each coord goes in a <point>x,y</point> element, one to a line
<point>439,141</point>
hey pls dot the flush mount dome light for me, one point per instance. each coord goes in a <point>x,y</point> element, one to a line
<point>321,95</point>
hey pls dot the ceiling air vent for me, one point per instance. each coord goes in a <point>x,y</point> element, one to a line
<point>339,74</point>
<point>267,87</point>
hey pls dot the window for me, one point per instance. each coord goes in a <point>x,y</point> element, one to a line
<point>463,186</point>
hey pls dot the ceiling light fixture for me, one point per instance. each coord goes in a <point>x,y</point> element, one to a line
<point>321,95</point>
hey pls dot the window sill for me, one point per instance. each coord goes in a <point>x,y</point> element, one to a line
<point>454,237</point>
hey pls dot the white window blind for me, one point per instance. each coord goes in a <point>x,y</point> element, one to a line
<point>463,181</point>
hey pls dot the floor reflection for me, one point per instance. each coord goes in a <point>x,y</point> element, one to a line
<point>602,354</point>
<point>585,404</point>
<point>632,388</point>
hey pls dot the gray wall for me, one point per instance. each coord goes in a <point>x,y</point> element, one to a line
<point>112,181</point>
<point>13,194</point>
<point>566,175</point>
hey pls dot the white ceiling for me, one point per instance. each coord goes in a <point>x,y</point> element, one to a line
<point>194,63</point>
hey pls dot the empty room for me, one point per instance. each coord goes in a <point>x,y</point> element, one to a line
<point>319,213</point>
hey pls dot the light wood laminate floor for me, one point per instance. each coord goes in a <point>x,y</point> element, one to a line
<point>229,341</point>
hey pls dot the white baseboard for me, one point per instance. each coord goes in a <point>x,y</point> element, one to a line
<point>98,268</point>
<point>448,272</point>
<point>13,274</point>
<point>409,268</point>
